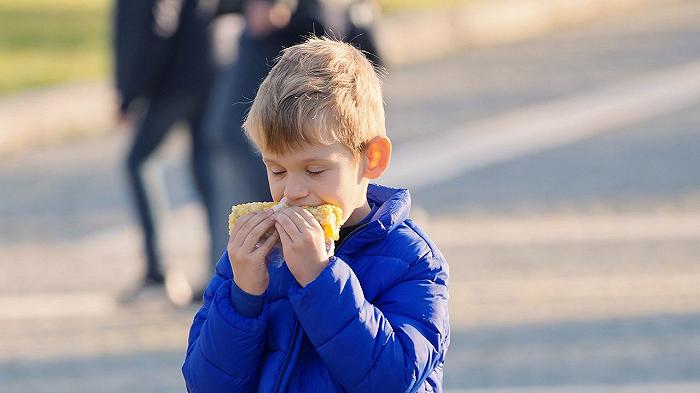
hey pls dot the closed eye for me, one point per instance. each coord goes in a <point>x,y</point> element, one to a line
<point>278,173</point>
<point>315,173</point>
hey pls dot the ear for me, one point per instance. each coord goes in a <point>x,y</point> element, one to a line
<point>376,155</point>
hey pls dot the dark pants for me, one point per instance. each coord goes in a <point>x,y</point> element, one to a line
<point>161,115</point>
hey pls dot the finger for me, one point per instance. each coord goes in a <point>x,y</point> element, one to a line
<point>310,219</point>
<point>289,212</point>
<point>267,245</point>
<point>284,236</point>
<point>240,222</point>
<point>248,226</point>
<point>287,223</point>
<point>297,218</point>
<point>258,232</point>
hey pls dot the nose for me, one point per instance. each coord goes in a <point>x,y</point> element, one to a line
<point>295,192</point>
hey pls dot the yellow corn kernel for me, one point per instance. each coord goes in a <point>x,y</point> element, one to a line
<point>329,216</point>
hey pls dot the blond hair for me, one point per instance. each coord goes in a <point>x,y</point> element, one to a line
<point>320,92</point>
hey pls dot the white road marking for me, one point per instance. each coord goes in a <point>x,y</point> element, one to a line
<point>432,159</point>
<point>55,305</point>
<point>504,301</point>
<point>563,228</point>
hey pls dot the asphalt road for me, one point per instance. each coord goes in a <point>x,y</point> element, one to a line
<point>573,262</point>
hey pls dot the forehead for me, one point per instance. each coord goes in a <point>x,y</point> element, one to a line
<point>335,152</point>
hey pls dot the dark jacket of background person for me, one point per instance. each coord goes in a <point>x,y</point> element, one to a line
<point>305,12</point>
<point>310,16</point>
<point>159,51</point>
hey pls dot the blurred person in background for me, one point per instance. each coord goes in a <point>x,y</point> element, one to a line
<point>270,26</point>
<point>164,68</point>
<point>353,21</point>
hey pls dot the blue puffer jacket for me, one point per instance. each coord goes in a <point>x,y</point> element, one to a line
<point>375,320</point>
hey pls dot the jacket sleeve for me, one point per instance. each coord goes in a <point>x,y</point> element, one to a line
<point>224,348</point>
<point>390,346</point>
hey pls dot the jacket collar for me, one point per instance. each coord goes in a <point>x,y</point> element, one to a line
<point>394,207</point>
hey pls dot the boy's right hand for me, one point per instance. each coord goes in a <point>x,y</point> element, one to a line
<point>246,251</point>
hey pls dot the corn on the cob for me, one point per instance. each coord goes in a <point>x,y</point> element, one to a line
<point>329,216</point>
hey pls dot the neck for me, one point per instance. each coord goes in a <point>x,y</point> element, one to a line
<point>358,215</point>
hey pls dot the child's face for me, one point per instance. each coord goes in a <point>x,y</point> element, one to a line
<point>316,174</point>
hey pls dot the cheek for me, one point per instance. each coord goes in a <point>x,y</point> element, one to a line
<point>276,188</point>
<point>347,188</point>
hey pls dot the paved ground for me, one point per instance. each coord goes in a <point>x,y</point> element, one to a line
<point>573,264</point>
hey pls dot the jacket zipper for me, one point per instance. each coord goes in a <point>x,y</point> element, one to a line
<point>287,358</point>
<point>297,324</point>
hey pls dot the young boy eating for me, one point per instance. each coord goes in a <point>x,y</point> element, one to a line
<point>370,318</point>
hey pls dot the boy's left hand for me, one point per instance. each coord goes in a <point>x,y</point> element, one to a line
<point>303,243</point>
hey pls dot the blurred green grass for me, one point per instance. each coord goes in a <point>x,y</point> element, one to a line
<point>46,42</point>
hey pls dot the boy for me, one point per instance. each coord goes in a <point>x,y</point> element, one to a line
<point>372,317</point>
